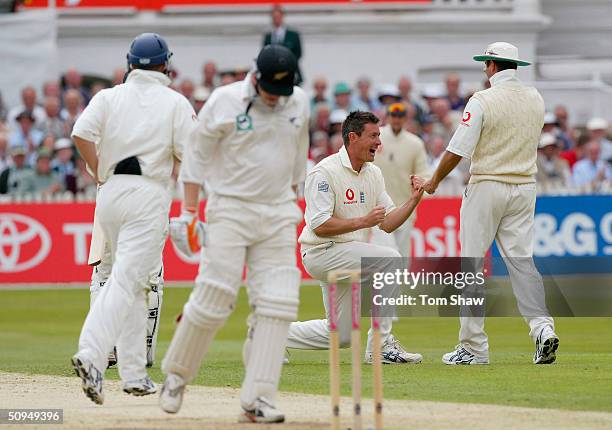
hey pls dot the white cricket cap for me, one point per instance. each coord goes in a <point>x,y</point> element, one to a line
<point>597,124</point>
<point>388,90</point>
<point>201,94</point>
<point>502,51</point>
<point>433,91</point>
<point>62,143</point>
<point>337,116</point>
<point>550,118</point>
<point>547,139</point>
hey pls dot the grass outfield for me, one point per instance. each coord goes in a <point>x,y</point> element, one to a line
<point>39,330</point>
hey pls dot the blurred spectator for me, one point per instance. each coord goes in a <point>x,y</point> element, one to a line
<point>118,76</point>
<point>335,142</point>
<point>16,179</point>
<point>565,134</point>
<point>363,100</point>
<point>319,87</point>
<point>432,92</point>
<point>48,143</point>
<point>63,165</point>
<point>11,6</point>
<point>282,35</point>
<point>3,109</point>
<point>453,92</point>
<point>553,171</point>
<point>209,76</point>
<point>240,73</point>
<point>200,96</point>
<point>336,118</point>
<point>404,86</point>
<point>226,77</point>
<point>186,88</point>
<point>73,106</point>
<point>74,81</point>
<point>28,102</point>
<point>45,180</point>
<point>5,158</point>
<point>445,121</point>
<point>53,124</point>
<point>96,87</point>
<point>342,98</point>
<point>320,119</point>
<point>550,123</point>
<point>576,153</point>
<point>592,170</point>
<point>52,89</point>
<point>25,135</point>
<point>319,149</point>
<point>84,182</point>
<point>598,127</point>
<point>388,94</point>
<point>454,183</point>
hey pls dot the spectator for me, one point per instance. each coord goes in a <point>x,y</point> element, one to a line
<point>62,162</point>
<point>118,76</point>
<point>5,158</point>
<point>200,96</point>
<point>565,134</point>
<point>25,135</point>
<point>432,92</point>
<point>336,118</point>
<point>598,127</point>
<point>53,124</point>
<point>73,106</point>
<point>240,73</point>
<point>454,183</point>
<point>336,142</point>
<point>576,153</point>
<point>550,124</point>
<point>453,92</point>
<point>17,179</point>
<point>362,100</point>
<point>592,170</point>
<point>186,88</point>
<point>226,77</point>
<point>97,86</point>
<point>342,98</point>
<point>320,119</point>
<point>84,182</point>
<point>404,86</point>
<point>553,171</point>
<point>28,103</point>
<point>45,180</point>
<point>319,149</point>
<point>445,121</point>
<point>388,94</point>
<point>320,89</point>
<point>209,76</point>
<point>282,35</point>
<point>74,81</point>
<point>52,89</point>
<point>3,110</point>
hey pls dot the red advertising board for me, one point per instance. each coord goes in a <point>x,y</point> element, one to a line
<point>49,243</point>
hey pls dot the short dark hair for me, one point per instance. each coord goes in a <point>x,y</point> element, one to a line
<point>355,122</point>
<point>505,65</point>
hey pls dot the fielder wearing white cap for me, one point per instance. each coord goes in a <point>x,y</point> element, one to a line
<point>500,132</point>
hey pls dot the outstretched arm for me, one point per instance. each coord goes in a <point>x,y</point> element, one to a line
<point>447,164</point>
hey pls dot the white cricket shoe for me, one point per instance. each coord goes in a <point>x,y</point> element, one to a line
<point>91,378</point>
<point>140,387</point>
<point>171,395</point>
<point>547,343</point>
<point>262,411</point>
<point>394,353</point>
<point>462,356</point>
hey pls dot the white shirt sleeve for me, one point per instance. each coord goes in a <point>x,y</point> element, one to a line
<point>320,198</point>
<point>467,135</point>
<point>185,122</point>
<point>90,123</point>
<point>200,150</point>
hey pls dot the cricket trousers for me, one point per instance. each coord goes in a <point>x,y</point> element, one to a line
<point>319,261</point>
<point>503,212</point>
<point>133,213</point>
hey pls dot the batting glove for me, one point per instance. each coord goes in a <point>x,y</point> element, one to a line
<point>187,232</point>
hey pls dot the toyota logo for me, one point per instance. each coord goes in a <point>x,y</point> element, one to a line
<point>24,242</point>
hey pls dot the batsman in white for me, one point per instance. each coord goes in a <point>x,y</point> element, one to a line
<point>139,129</point>
<point>345,197</point>
<point>500,132</point>
<point>250,147</point>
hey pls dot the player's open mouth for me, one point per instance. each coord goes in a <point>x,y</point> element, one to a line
<point>373,151</point>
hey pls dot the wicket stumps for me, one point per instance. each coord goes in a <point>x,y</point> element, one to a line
<point>334,353</point>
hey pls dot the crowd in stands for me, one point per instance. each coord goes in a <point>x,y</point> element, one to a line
<point>37,156</point>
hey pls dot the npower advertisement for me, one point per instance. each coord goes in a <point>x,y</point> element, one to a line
<point>49,243</point>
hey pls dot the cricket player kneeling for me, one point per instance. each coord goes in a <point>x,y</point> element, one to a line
<point>345,197</point>
<point>251,147</point>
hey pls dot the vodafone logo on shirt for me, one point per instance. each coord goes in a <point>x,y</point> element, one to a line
<point>466,119</point>
<point>350,197</point>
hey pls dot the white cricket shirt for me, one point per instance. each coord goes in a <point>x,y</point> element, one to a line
<point>333,187</point>
<point>142,118</point>
<point>245,149</point>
